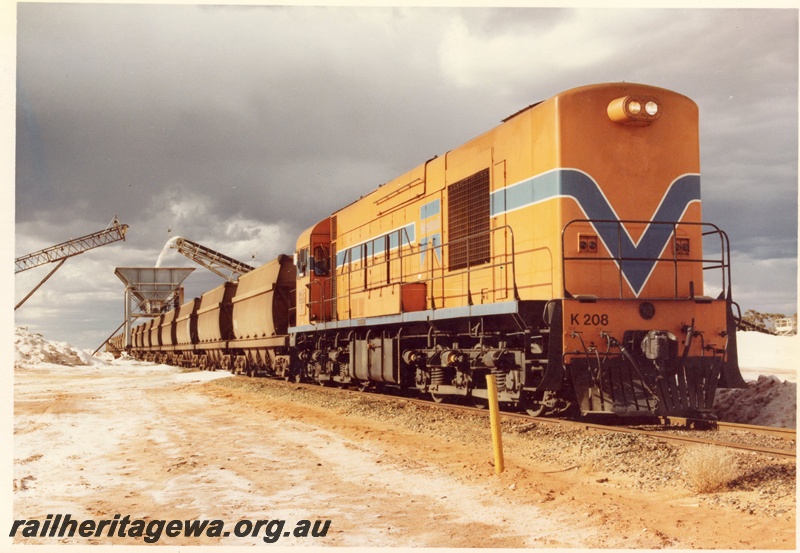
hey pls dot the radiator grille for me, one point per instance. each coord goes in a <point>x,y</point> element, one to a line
<point>468,221</point>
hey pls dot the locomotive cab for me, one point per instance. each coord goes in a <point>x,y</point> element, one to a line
<point>314,279</point>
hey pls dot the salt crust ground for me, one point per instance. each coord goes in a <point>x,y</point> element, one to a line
<point>141,466</point>
<point>139,439</point>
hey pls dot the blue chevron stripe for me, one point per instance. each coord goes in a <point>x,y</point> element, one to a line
<point>594,204</point>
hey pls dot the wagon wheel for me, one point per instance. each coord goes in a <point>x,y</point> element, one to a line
<point>363,385</point>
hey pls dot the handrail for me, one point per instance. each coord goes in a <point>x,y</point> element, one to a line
<point>709,263</point>
<point>398,258</point>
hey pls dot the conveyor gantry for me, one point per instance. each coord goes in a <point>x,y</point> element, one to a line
<point>114,232</point>
<point>210,259</point>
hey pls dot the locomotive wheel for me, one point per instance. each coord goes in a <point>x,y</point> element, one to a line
<point>533,405</point>
<point>296,378</point>
<point>437,398</point>
<point>536,411</point>
<point>479,402</point>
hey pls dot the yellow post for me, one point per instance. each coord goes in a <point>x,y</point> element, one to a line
<point>494,418</point>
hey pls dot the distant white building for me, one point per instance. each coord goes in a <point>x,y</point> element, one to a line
<point>786,327</point>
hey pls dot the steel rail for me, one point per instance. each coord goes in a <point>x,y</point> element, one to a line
<point>785,433</point>
<point>774,431</point>
<point>693,440</point>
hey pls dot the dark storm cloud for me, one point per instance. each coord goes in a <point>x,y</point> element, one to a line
<point>240,126</point>
<point>216,100</point>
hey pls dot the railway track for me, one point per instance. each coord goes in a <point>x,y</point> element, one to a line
<point>776,432</point>
<point>668,434</point>
<point>778,442</point>
<point>671,432</point>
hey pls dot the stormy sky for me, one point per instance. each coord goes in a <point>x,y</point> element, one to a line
<point>240,126</point>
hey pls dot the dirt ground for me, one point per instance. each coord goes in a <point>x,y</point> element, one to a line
<point>152,442</point>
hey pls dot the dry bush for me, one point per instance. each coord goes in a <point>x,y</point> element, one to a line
<point>708,468</point>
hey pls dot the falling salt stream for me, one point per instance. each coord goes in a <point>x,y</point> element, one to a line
<point>166,248</point>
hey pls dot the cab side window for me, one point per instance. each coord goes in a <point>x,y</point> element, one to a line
<point>301,261</point>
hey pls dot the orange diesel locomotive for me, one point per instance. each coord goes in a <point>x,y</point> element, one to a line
<point>562,251</point>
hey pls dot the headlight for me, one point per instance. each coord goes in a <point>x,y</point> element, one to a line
<point>634,110</point>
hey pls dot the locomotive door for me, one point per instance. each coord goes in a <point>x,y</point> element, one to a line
<point>320,294</point>
<point>314,272</point>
